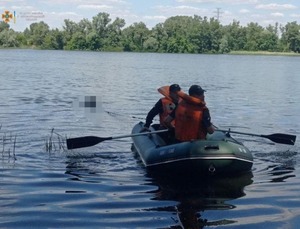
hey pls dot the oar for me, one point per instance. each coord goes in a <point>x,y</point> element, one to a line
<point>278,137</point>
<point>74,143</point>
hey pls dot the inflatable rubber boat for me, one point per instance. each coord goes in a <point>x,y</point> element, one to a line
<point>218,154</point>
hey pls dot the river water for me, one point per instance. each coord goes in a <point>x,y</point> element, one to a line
<point>43,185</point>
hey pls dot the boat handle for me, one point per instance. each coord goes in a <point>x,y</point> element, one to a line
<point>211,147</point>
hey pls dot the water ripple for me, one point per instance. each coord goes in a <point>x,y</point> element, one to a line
<point>106,186</point>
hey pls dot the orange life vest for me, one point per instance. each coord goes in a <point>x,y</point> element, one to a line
<point>188,116</point>
<point>168,105</point>
<point>165,91</point>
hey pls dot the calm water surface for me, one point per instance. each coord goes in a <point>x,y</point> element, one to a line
<point>106,186</point>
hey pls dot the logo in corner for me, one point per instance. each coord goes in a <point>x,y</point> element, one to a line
<point>7,16</point>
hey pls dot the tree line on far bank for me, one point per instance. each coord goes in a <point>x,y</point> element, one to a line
<point>178,34</point>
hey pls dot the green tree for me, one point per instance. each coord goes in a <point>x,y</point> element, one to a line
<point>21,39</point>
<point>135,36</point>
<point>114,34</point>
<point>93,41</point>
<point>235,35</point>
<point>179,34</point>
<point>158,36</point>
<point>224,45</point>
<point>84,26</point>
<point>69,28</point>
<point>8,38</point>
<point>204,36</point>
<point>215,35</point>
<point>54,40</point>
<point>100,26</point>
<point>151,45</point>
<point>253,33</point>
<point>180,31</point>
<point>291,36</point>
<point>77,42</point>
<point>37,33</point>
<point>3,26</point>
<point>76,35</point>
<point>268,39</point>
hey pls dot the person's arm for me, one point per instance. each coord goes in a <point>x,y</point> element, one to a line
<point>207,122</point>
<point>168,120</point>
<point>211,129</point>
<point>157,109</point>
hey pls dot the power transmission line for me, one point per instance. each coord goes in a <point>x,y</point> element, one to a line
<point>218,12</point>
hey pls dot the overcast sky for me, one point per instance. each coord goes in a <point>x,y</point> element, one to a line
<point>151,12</point>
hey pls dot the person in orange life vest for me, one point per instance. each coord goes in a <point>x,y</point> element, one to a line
<point>163,106</point>
<point>192,117</point>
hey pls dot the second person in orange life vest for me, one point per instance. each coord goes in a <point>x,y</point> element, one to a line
<point>192,117</point>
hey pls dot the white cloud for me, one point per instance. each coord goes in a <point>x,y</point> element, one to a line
<point>244,11</point>
<point>186,8</point>
<point>268,22</point>
<point>92,6</point>
<point>182,10</point>
<point>64,13</point>
<point>8,1</point>
<point>220,1</point>
<point>196,1</point>
<point>160,18</point>
<point>277,14</point>
<point>23,8</point>
<point>275,6</point>
<point>84,2</point>
<point>295,15</point>
<point>256,16</point>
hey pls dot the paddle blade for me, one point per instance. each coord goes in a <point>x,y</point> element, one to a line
<point>282,138</point>
<point>75,143</point>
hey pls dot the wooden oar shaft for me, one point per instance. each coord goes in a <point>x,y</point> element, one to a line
<point>278,137</point>
<point>140,134</point>
<point>237,132</point>
<point>80,142</point>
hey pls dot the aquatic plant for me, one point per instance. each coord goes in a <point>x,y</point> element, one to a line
<point>8,141</point>
<point>55,142</point>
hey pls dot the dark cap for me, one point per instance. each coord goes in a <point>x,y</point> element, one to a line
<point>196,90</point>
<point>174,88</point>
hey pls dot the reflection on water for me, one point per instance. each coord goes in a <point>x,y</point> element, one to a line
<point>278,165</point>
<point>184,199</point>
<point>281,173</point>
<point>112,189</point>
<point>195,195</point>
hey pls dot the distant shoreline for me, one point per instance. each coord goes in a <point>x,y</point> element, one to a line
<point>263,53</point>
<point>258,53</point>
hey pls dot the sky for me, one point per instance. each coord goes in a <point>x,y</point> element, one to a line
<point>151,12</point>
